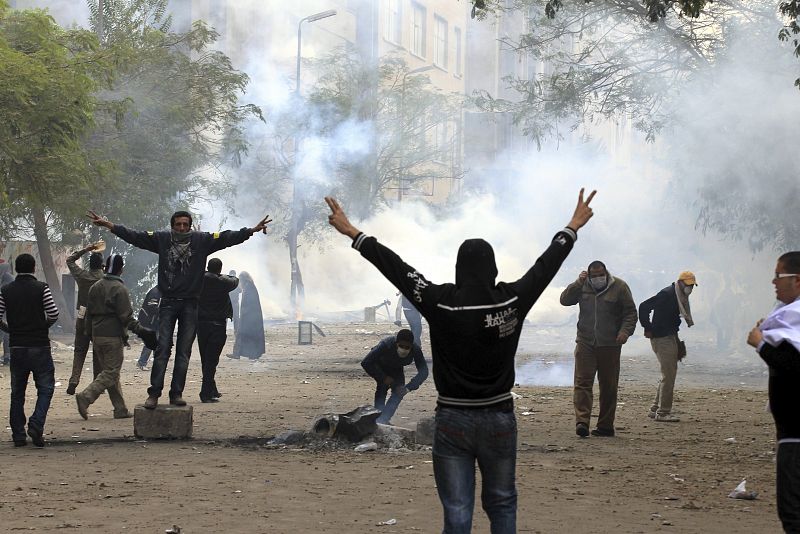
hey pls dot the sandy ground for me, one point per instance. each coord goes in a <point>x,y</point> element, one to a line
<point>94,476</point>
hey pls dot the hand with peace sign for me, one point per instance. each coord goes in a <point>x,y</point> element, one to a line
<point>99,221</point>
<point>582,211</point>
<point>339,220</point>
<point>261,226</point>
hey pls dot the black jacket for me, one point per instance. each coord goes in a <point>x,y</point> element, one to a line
<point>784,394</point>
<point>29,310</point>
<point>383,361</point>
<point>475,324</point>
<point>666,314</point>
<point>186,284</point>
<point>148,313</point>
<point>215,303</point>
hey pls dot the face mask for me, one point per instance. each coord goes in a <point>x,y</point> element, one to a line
<point>688,290</point>
<point>598,282</point>
<point>402,353</point>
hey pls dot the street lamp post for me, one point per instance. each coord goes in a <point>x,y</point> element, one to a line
<point>402,111</point>
<point>297,288</point>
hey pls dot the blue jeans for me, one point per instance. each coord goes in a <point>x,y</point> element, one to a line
<point>24,361</point>
<point>414,324</point>
<point>388,408</point>
<point>463,436</point>
<point>184,313</point>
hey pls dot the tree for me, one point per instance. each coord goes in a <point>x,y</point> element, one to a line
<point>178,128</point>
<point>362,130</point>
<point>48,80</point>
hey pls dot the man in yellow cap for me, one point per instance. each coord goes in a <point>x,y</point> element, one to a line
<point>667,307</point>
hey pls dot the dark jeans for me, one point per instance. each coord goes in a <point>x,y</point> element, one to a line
<point>388,408</point>
<point>24,361</point>
<point>211,338</point>
<point>788,486</point>
<point>463,436</point>
<point>184,313</point>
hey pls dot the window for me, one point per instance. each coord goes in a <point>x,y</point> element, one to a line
<point>457,35</point>
<point>440,43</point>
<point>418,30</point>
<point>393,21</point>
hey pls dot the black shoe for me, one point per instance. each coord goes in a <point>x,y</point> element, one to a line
<point>582,430</point>
<point>216,395</point>
<point>71,389</point>
<point>20,442</point>
<point>603,432</point>
<point>36,436</point>
<point>208,399</point>
<point>177,401</point>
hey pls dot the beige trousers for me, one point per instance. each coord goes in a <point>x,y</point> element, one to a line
<point>108,354</point>
<point>666,349</point>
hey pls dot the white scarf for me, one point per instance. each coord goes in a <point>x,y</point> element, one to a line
<point>783,324</point>
<point>683,304</point>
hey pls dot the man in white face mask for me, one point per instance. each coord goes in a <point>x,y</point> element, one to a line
<point>667,307</point>
<point>385,364</point>
<point>606,319</point>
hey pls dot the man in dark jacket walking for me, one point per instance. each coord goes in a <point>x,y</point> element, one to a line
<point>667,307</point>
<point>182,255</point>
<point>385,364</point>
<point>475,326</point>
<point>212,317</point>
<point>777,340</point>
<point>85,279</point>
<point>148,318</point>
<point>29,313</point>
<point>109,316</point>
<point>606,319</point>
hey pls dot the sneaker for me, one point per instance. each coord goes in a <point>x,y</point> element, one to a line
<point>123,415</point>
<point>233,356</point>
<point>603,432</point>
<point>582,430</point>
<point>208,399</point>
<point>177,401</point>
<point>651,414</point>
<point>151,403</point>
<point>142,366</point>
<point>36,435</point>
<point>666,418</point>
<point>71,389</point>
<point>83,405</point>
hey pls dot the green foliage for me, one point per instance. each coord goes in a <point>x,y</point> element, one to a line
<point>48,80</point>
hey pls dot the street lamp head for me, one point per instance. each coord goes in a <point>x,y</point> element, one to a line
<point>322,15</point>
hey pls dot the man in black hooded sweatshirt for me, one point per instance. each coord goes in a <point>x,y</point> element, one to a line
<point>182,255</point>
<point>475,326</point>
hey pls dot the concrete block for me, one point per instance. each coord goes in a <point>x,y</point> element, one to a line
<point>425,431</point>
<point>165,422</point>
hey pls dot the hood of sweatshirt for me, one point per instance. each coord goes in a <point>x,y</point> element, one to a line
<point>475,264</point>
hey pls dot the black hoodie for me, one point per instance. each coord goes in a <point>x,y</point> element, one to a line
<point>475,324</point>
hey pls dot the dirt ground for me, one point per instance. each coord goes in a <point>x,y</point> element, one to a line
<point>94,476</point>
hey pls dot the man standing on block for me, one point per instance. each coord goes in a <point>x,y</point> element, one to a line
<point>606,319</point>
<point>182,255</point>
<point>85,279</point>
<point>29,313</point>
<point>212,317</point>
<point>474,328</point>
<point>777,340</point>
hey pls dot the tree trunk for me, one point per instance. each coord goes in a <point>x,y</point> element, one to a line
<point>297,292</point>
<point>49,268</point>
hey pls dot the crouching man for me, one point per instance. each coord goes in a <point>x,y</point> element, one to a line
<point>385,364</point>
<point>109,315</point>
